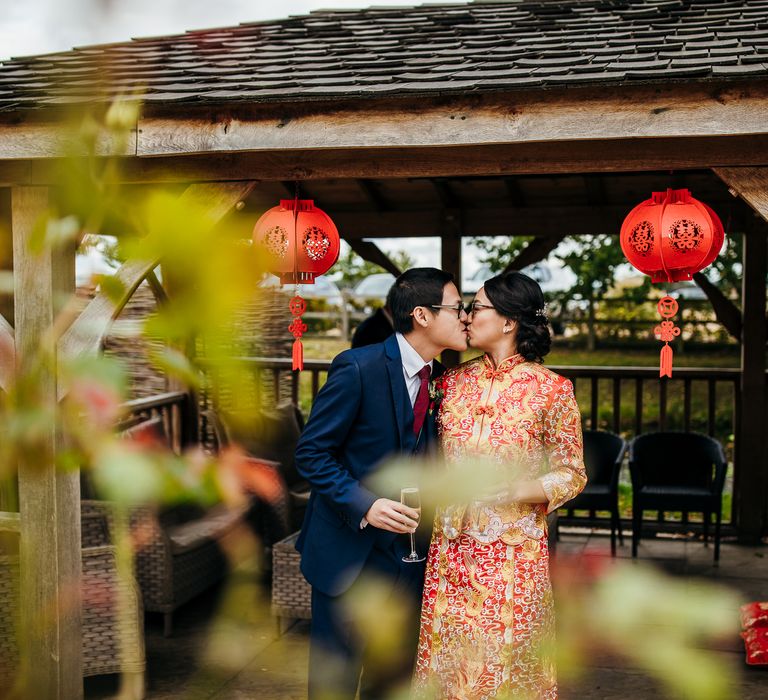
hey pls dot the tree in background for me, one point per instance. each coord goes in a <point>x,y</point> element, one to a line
<point>351,268</point>
<point>499,251</point>
<point>592,259</point>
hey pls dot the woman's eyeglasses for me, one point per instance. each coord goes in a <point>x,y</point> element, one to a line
<point>476,306</point>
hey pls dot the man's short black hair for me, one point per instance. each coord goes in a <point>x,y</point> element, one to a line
<point>419,286</point>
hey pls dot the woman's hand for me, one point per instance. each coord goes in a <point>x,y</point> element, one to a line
<point>528,491</point>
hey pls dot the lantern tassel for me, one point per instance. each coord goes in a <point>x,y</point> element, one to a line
<point>298,355</point>
<point>665,361</point>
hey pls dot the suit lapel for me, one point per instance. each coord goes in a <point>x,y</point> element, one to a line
<point>399,394</point>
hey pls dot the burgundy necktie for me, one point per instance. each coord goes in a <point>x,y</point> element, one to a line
<point>422,400</point>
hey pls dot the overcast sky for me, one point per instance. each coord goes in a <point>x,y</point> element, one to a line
<point>30,27</point>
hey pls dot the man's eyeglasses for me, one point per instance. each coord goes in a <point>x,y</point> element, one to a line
<point>458,308</point>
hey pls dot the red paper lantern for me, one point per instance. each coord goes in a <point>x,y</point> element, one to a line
<point>670,237</point>
<point>301,242</point>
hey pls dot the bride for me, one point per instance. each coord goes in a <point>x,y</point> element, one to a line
<point>487,624</point>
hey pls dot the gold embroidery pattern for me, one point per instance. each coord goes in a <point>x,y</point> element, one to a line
<point>519,414</point>
<point>486,631</point>
<point>487,623</point>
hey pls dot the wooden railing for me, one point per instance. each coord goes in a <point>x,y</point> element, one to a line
<point>625,400</point>
<point>174,408</point>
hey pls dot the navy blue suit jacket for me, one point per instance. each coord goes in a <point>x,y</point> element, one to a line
<point>360,417</point>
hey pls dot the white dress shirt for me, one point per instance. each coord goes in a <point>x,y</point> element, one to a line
<point>412,364</point>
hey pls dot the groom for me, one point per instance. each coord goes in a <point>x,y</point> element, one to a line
<point>373,406</point>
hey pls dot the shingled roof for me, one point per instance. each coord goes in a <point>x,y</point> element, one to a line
<point>427,49</point>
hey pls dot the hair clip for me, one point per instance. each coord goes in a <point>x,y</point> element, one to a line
<point>542,311</point>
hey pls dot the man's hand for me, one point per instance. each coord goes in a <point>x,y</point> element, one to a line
<point>392,516</point>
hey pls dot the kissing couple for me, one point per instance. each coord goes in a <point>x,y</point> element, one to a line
<point>479,612</point>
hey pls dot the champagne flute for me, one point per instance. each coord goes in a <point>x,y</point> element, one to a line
<point>411,497</point>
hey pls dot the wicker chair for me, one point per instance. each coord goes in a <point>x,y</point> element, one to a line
<point>104,632</point>
<point>291,594</point>
<point>180,554</point>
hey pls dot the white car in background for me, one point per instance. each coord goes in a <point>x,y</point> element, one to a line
<point>372,291</point>
<point>550,277</point>
<point>323,288</point>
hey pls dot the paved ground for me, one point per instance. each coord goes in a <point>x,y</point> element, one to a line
<point>225,648</point>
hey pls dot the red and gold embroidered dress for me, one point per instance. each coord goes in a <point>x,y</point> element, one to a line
<point>487,624</point>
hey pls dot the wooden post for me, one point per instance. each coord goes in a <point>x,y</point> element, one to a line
<point>6,249</point>
<point>751,487</point>
<point>49,500</point>
<point>450,261</point>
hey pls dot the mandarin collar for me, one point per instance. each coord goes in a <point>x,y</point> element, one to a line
<point>506,363</point>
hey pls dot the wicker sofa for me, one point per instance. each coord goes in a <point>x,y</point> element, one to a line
<point>105,632</point>
<point>180,553</point>
<point>291,594</point>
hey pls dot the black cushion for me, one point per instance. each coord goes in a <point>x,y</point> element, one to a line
<point>271,435</point>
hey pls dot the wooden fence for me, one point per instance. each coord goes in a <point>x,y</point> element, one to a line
<point>625,400</point>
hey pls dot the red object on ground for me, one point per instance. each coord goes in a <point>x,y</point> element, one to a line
<point>301,242</point>
<point>670,237</point>
<point>756,645</point>
<point>754,615</point>
<point>754,620</point>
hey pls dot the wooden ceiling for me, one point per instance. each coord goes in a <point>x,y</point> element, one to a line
<point>492,206</point>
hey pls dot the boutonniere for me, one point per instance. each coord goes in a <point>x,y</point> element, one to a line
<point>436,393</point>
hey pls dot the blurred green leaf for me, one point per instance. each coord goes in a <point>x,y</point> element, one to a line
<point>127,476</point>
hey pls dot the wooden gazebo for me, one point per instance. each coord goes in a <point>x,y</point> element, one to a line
<point>487,118</point>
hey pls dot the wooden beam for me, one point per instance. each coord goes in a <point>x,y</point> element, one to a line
<point>583,156</point>
<point>450,261</point>
<point>484,221</point>
<point>751,184</point>
<point>49,499</point>
<point>86,335</point>
<point>556,115</point>
<point>369,251</point>
<point>594,189</point>
<point>10,522</point>
<point>751,485</point>
<point>6,250</point>
<point>373,195</point>
<point>726,312</point>
<point>514,192</point>
<point>536,250</point>
<point>445,194</point>
<point>39,139</point>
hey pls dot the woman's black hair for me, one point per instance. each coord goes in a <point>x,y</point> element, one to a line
<point>519,298</point>
<point>419,286</point>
